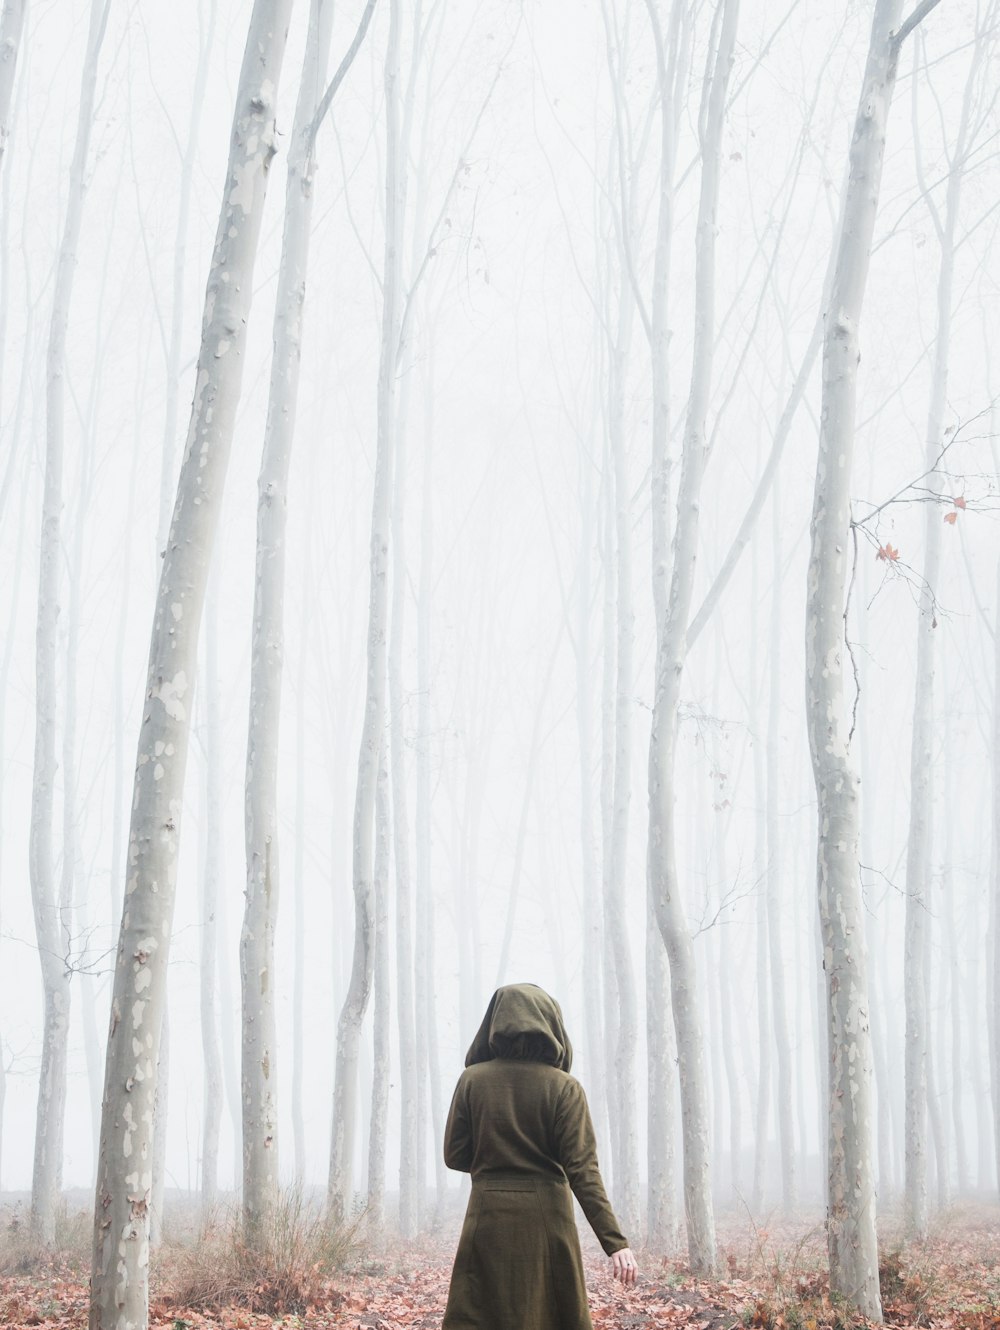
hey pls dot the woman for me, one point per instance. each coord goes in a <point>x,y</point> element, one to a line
<point>519,1123</point>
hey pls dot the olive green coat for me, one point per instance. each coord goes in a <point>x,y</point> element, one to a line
<point>519,1123</point>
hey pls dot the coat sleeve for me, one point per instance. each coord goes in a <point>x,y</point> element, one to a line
<point>458,1131</point>
<point>577,1152</point>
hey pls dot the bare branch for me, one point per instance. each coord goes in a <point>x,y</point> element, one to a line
<point>341,73</point>
<point>916,18</point>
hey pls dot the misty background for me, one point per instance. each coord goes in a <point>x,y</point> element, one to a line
<point>506,500</point>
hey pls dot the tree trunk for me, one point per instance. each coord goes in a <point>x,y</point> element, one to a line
<point>773,879</point>
<point>299,925</point>
<point>362,963</point>
<point>259,1042</point>
<point>670,656</point>
<point>375,1214</point>
<point>119,1280</point>
<point>993,990</point>
<point>211,875</point>
<point>592,932</point>
<point>851,1185</point>
<point>11,27</point>
<point>661,1208</point>
<point>49,923</point>
<point>623,1069</point>
<point>405,974</point>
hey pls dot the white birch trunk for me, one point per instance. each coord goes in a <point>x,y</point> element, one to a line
<point>50,1114</point>
<point>761,939</point>
<point>377,1136</point>
<point>592,932</point>
<point>670,656</point>
<point>259,1034</point>
<point>661,1208</point>
<point>956,993</point>
<point>993,989</point>
<point>119,1279</point>
<point>625,1121</point>
<point>671,63</point>
<point>211,875</point>
<point>11,28</point>
<point>168,489</point>
<point>726,1035</point>
<point>362,962</point>
<point>299,887</point>
<point>851,1185</point>
<point>411,1125</point>
<point>405,958</point>
<point>773,879</point>
<point>920,839</point>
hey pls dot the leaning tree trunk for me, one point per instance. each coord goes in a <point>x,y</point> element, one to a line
<point>50,1114</point>
<point>119,1280</point>
<point>670,656</point>
<point>11,26</point>
<point>363,958</point>
<point>851,1185</point>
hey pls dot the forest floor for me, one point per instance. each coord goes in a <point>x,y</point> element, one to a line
<point>770,1278</point>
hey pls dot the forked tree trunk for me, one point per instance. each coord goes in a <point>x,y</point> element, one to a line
<point>46,1179</point>
<point>119,1279</point>
<point>670,657</point>
<point>363,959</point>
<point>851,1184</point>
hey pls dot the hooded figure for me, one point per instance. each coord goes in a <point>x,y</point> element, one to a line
<point>519,1123</point>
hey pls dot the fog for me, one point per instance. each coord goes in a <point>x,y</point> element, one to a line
<point>521,564</point>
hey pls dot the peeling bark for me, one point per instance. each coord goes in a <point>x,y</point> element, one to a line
<point>119,1279</point>
<point>851,1183</point>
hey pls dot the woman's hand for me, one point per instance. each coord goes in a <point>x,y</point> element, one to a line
<point>624,1267</point>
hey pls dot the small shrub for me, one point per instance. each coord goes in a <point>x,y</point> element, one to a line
<point>284,1268</point>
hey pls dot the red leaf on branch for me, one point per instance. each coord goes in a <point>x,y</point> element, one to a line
<point>887,553</point>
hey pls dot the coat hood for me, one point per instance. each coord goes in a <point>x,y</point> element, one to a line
<point>522,1021</point>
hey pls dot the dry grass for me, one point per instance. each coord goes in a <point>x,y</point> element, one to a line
<point>21,1253</point>
<point>285,1269</point>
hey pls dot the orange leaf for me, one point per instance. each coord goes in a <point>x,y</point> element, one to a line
<point>950,518</point>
